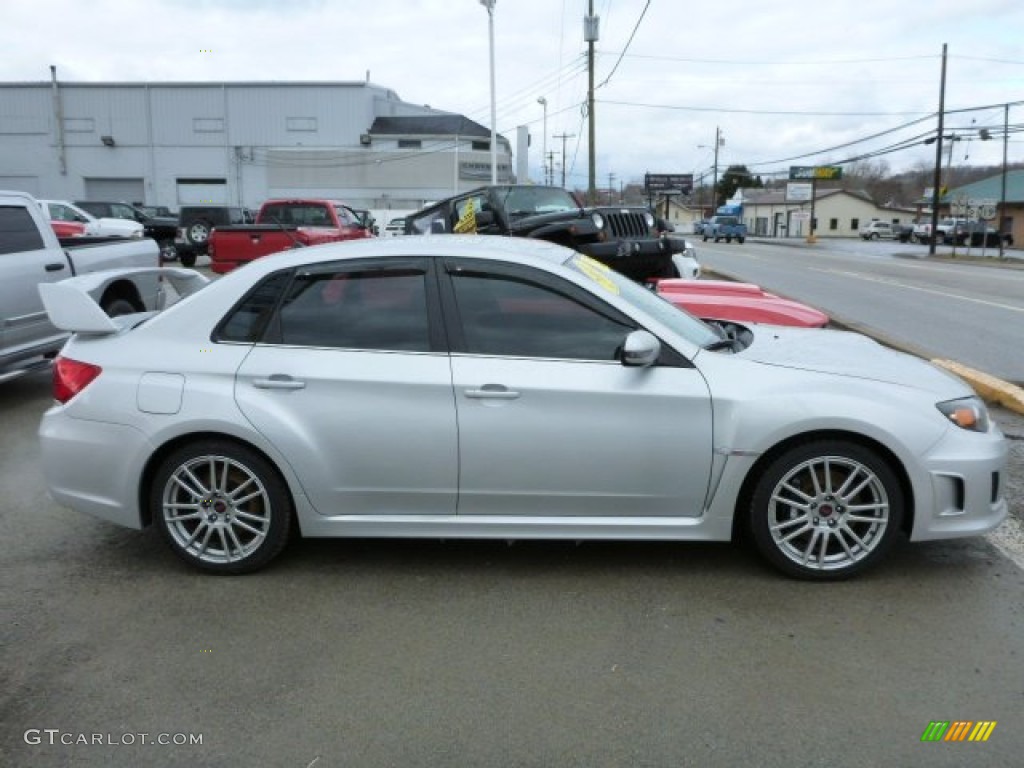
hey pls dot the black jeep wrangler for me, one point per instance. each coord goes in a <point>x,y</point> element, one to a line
<point>623,237</point>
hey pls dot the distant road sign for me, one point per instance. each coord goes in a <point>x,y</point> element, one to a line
<point>987,211</point>
<point>672,183</point>
<point>799,192</point>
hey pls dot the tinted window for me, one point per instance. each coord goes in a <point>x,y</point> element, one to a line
<point>383,309</point>
<point>435,221</point>
<point>246,321</point>
<point>18,231</point>
<point>512,317</point>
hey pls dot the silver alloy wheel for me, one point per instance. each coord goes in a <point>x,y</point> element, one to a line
<point>828,513</point>
<point>216,509</point>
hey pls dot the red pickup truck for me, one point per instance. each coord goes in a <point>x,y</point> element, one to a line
<point>282,225</point>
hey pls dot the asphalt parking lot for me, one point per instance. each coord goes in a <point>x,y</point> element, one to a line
<point>426,653</point>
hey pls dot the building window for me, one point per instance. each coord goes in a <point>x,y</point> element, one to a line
<point>79,125</point>
<point>410,144</point>
<point>208,125</point>
<point>833,224</point>
<point>854,224</point>
<point>305,124</point>
<point>482,146</point>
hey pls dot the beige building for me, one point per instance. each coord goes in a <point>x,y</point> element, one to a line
<point>838,213</point>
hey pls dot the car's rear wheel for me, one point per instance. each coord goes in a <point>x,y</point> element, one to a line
<point>221,506</point>
<point>188,259</point>
<point>826,510</point>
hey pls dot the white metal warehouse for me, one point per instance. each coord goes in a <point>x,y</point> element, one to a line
<point>237,143</point>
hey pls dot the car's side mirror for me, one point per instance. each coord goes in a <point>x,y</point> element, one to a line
<point>484,219</point>
<point>641,349</point>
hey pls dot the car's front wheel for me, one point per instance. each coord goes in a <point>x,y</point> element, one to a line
<point>221,506</point>
<point>826,510</point>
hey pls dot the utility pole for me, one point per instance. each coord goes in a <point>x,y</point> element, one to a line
<point>937,179</point>
<point>549,179</point>
<point>714,184</point>
<point>611,187</point>
<point>563,137</point>
<point>590,35</point>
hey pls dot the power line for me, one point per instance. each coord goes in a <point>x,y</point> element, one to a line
<point>628,43</point>
<point>759,111</point>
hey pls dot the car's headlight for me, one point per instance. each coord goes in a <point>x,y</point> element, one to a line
<point>598,220</point>
<point>137,233</point>
<point>649,219</point>
<point>967,413</point>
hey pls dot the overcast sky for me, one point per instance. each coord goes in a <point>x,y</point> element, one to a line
<point>780,78</point>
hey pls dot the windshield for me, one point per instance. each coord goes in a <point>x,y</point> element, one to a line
<point>529,201</point>
<point>610,281</point>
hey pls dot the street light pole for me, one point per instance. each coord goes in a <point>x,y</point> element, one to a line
<point>544,141</point>
<point>489,5</point>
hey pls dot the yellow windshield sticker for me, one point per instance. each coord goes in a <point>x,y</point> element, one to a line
<point>597,272</point>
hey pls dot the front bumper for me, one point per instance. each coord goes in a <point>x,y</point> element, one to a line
<point>640,259</point>
<point>965,487</point>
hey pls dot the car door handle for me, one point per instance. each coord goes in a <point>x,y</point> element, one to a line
<point>492,392</point>
<point>54,267</point>
<point>278,381</point>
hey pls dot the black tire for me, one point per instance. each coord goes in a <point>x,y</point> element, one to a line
<point>728,239</point>
<point>198,232</point>
<point>740,240</point>
<point>188,259</point>
<point>874,235</point>
<point>116,307</point>
<point>790,532</point>
<point>201,521</point>
<point>167,250</point>
<point>705,238</point>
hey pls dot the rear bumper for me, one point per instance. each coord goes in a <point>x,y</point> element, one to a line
<point>93,467</point>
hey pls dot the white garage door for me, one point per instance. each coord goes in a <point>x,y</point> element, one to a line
<point>115,190</point>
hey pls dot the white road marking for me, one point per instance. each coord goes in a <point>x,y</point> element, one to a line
<point>871,279</point>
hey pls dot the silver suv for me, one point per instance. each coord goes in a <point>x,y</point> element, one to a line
<point>876,229</point>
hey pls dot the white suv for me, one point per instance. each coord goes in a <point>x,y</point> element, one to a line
<point>875,229</point>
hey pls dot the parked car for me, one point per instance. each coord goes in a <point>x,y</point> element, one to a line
<point>66,229</point>
<point>726,228</point>
<point>93,226</point>
<point>875,230</point>
<point>158,211</point>
<point>903,232</point>
<point>727,304</point>
<point>196,222</point>
<point>982,234</point>
<point>505,388</point>
<point>698,226</point>
<point>625,238</point>
<point>160,228</point>
<point>281,225</point>
<point>395,227</point>
<point>31,255</point>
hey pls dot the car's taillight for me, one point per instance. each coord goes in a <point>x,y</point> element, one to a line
<point>71,376</point>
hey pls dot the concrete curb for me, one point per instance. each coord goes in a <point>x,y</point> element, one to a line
<point>989,387</point>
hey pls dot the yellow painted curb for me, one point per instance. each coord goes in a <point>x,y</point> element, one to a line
<point>989,387</point>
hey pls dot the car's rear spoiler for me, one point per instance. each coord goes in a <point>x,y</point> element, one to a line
<point>72,306</point>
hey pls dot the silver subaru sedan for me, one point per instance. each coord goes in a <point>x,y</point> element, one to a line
<point>480,387</point>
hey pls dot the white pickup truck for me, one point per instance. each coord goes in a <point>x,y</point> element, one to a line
<point>30,254</point>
